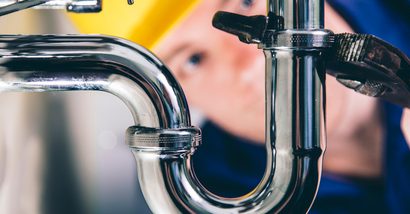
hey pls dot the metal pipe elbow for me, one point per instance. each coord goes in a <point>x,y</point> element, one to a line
<point>95,63</point>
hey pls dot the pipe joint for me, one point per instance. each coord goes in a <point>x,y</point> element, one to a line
<point>164,140</point>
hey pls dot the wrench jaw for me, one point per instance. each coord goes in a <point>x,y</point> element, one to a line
<point>371,66</point>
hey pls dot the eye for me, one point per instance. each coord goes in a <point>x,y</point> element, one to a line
<point>195,60</point>
<point>193,64</point>
<point>246,4</point>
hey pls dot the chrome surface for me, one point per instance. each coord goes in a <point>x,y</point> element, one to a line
<point>295,143</point>
<point>95,63</point>
<point>297,39</point>
<point>295,128</point>
<point>295,134</point>
<point>19,5</point>
<point>77,6</point>
<point>148,139</point>
<point>299,14</point>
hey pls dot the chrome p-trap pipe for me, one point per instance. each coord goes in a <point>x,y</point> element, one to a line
<point>163,140</point>
<point>293,39</point>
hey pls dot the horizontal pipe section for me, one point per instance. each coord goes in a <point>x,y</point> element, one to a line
<point>95,63</point>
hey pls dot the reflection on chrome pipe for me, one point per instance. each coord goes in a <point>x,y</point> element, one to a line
<point>295,130</point>
<point>295,143</point>
<point>299,14</point>
<point>95,63</point>
<point>163,140</point>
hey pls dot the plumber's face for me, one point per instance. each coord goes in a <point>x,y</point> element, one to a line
<point>221,76</point>
<point>224,78</point>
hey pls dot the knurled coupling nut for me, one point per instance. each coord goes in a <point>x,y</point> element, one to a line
<point>297,39</point>
<point>145,138</point>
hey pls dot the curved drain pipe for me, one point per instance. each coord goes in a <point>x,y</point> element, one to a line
<point>294,42</point>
